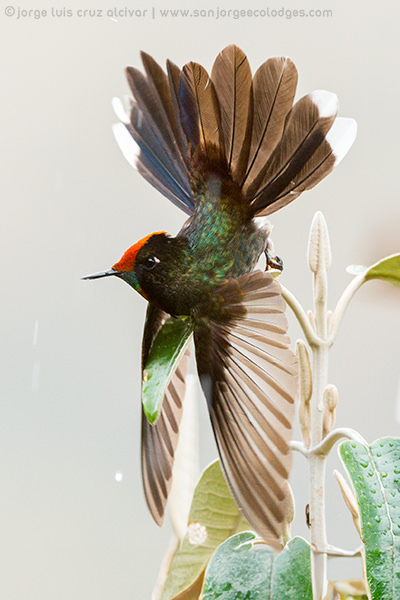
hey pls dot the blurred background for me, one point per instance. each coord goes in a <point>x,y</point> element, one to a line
<point>73,522</point>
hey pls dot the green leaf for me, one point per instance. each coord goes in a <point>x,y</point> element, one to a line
<point>240,569</point>
<point>292,577</point>
<point>213,517</point>
<point>387,269</point>
<point>166,351</point>
<point>375,473</point>
<point>245,569</point>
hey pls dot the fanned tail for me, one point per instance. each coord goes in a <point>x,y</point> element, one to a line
<point>186,123</point>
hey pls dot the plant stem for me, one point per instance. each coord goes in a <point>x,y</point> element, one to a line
<point>343,303</point>
<point>320,332</point>
<point>319,255</point>
<point>317,464</point>
<point>301,316</point>
<point>329,441</point>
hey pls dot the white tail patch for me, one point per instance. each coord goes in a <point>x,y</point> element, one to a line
<point>341,137</point>
<point>126,143</point>
<point>326,102</point>
<point>120,110</point>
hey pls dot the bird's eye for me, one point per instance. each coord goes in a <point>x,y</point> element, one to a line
<point>151,262</point>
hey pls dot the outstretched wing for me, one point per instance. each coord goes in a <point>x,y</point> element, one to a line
<point>159,440</point>
<point>247,372</point>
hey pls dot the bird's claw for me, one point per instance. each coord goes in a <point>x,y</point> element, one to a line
<point>273,262</point>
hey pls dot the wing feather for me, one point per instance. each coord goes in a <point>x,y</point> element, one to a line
<point>249,382</point>
<point>159,440</point>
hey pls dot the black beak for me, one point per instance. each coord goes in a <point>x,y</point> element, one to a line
<point>101,274</point>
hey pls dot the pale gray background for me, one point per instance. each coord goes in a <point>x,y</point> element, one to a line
<point>71,205</point>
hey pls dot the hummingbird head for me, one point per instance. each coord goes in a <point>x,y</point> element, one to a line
<point>144,266</point>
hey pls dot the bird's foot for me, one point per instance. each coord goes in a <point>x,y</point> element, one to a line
<point>273,262</point>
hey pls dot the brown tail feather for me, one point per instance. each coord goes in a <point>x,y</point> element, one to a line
<point>161,88</point>
<point>231,76</point>
<point>272,150</point>
<point>274,87</point>
<point>199,109</point>
<point>305,130</point>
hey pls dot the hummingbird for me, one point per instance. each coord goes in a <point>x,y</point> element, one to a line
<point>228,149</point>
